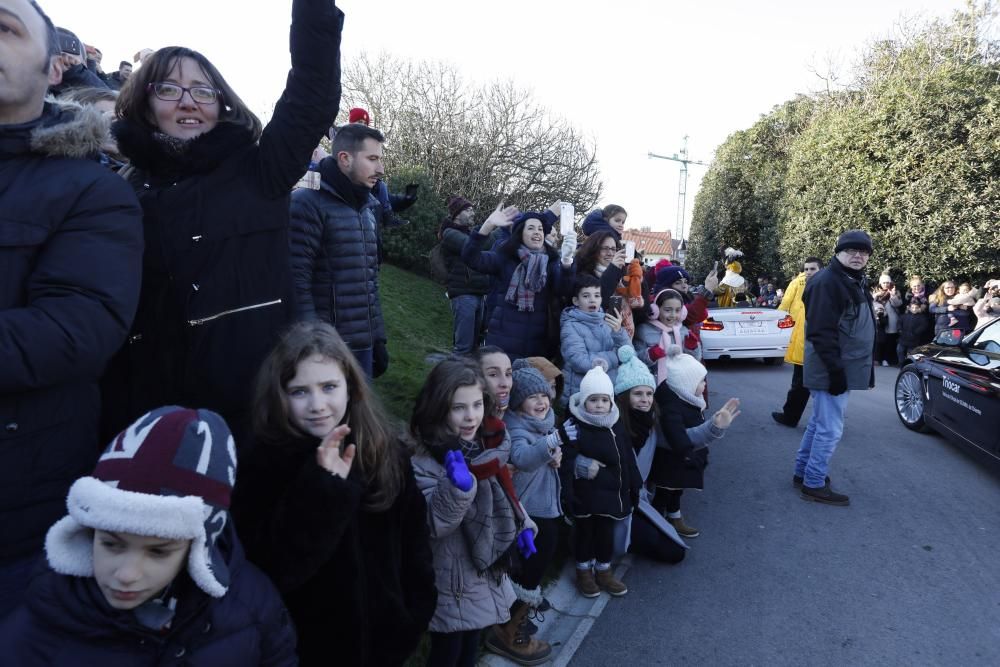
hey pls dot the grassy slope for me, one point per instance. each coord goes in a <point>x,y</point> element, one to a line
<point>418,322</point>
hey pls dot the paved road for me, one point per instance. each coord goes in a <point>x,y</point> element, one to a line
<point>909,574</point>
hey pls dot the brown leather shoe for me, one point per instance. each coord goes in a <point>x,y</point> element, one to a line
<point>607,581</point>
<point>586,584</point>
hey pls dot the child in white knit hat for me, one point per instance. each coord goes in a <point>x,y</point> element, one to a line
<point>146,567</point>
<point>600,480</point>
<point>681,465</point>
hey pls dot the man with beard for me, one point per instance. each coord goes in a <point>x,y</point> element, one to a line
<point>334,245</point>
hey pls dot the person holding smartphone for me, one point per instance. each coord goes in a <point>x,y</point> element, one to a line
<point>602,256</point>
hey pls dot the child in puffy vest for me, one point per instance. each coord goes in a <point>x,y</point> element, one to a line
<point>681,464</point>
<point>587,332</point>
<point>147,568</point>
<point>600,480</point>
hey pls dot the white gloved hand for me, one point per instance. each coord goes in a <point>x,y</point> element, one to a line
<point>568,250</point>
<point>570,429</point>
<point>594,467</point>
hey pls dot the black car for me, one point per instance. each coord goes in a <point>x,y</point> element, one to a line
<point>952,386</point>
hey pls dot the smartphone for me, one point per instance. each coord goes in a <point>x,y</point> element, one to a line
<point>69,44</point>
<point>629,251</point>
<point>566,215</point>
<point>617,303</point>
<point>411,189</point>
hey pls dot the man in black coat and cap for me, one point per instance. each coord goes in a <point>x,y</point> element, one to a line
<point>840,343</point>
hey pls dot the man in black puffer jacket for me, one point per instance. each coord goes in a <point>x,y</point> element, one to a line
<point>334,245</point>
<point>70,255</point>
<point>840,344</point>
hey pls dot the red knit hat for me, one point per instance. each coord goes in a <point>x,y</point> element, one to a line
<point>359,115</point>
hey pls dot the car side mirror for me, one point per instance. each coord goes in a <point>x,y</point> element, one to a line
<point>951,337</point>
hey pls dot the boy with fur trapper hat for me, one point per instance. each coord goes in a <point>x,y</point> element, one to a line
<point>147,567</point>
<point>600,479</point>
<point>680,465</point>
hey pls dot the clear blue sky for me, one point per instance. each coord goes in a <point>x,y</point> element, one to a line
<point>635,75</point>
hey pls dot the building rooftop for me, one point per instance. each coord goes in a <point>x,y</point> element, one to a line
<point>651,243</point>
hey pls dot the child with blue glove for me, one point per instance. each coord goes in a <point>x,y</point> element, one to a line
<point>536,452</point>
<point>477,523</point>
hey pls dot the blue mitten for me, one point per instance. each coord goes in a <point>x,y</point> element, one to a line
<point>526,543</point>
<point>458,473</point>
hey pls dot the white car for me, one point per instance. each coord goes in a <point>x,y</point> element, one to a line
<point>746,332</point>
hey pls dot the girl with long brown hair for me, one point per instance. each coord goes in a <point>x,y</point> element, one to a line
<point>327,505</point>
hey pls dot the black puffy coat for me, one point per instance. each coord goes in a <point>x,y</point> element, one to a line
<point>67,621</point>
<point>70,253</point>
<point>678,465</point>
<point>359,584</point>
<point>216,284</point>
<point>461,280</point>
<point>334,250</point>
<point>615,490</point>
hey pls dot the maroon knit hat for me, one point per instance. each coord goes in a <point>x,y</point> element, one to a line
<point>169,475</point>
<point>359,115</point>
<point>456,205</point>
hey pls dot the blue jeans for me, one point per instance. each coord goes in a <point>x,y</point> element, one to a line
<point>823,432</point>
<point>468,311</point>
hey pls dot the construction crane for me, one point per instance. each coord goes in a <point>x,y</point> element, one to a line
<point>682,157</point>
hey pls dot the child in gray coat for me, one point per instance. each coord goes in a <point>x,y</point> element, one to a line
<point>588,333</point>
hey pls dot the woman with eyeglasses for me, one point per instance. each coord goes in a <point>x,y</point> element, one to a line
<point>602,256</point>
<point>214,187</point>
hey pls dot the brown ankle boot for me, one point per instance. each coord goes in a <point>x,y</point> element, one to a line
<point>512,641</point>
<point>607,581</point>
<point>585,583</point>
<point>682,528</point>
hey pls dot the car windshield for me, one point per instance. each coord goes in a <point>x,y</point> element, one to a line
<point>988,339</point>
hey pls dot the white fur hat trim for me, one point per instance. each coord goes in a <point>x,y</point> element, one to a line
<point>94,504</point>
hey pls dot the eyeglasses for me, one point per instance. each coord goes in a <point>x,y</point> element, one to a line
<point>854,252</point>
<point>171,92</point>
<point>611,249</point>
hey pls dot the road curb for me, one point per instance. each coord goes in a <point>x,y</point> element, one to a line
<point>571,618</point>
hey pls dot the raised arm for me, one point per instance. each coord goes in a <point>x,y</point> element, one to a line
<point>309,103</point>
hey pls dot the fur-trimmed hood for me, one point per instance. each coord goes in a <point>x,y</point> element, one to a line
<point>67,129</point>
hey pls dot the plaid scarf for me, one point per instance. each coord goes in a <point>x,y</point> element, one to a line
<point>528,278</point>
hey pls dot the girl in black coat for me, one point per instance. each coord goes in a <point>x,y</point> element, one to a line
<point>327,505</point>
<point>681,464</point>
<point>600,480</point>
<point>214,188</point>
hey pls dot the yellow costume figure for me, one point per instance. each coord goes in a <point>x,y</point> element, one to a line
<point>733,283</point>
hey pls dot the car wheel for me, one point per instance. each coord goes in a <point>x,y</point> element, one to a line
<point>774,361</point>
<point>910,400</point>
